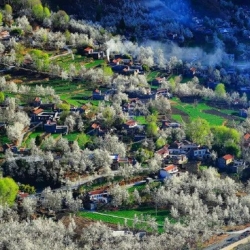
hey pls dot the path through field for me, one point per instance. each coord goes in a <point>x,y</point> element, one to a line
<point>121,217</point>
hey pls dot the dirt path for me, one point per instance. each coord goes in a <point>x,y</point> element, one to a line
<point>125,218</point>
<point>68,52</point>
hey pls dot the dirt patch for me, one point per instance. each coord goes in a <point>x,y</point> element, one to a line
<point>236,228</point>
<point>218,113</point>
<point>184,115</point>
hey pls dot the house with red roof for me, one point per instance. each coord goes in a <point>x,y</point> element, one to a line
<point>131,124</point>
<point>225,161</point>
<point>158,81</point>
<point>171,169</point>
<point>4,35</point>
<point>37,111</point>
<point>99,195</point>
<point>163,152</point>
<point>88,51</point>
<point>246,141</point>
<point>168,171</point>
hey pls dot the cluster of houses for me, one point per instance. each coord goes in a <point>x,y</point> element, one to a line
<point>175,156</point>
<point>90,52</point>
<point>4,35</point>
<point>126,66</point>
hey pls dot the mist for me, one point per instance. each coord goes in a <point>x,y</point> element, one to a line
<point>169,50</point>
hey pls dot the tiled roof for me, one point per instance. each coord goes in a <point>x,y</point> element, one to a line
<point>163,150</point>
<point>228,157</point>
<point>131,123</point>
<point>247,136</point>
<point>99,191</point>
<point>37,111</point>
<point>88,49</point>
<point>170,168</point>
<point>95,125</point>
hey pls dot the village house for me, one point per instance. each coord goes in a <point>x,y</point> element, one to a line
<point>199,153</point>
<point>163,152</point>
<point>99,196</point>
<point>224,161</point>
<point>88,51</point>
<point>177,159</point>
<point>96,129</point>
<point>117,61</point>
<point>131,124</point>
<point>4,35</point>
<point>97,95</point>
<point>96,55</point>
<point>117,161</point>
<point>187,145</point>
<point>157,81</point>
<point>53,128</point>
<point>163,92</point>
<point>237,166</point>
<point>38,115</point>
<point>171,169</point>
<point>246,140</point>
<point>167,124</point>
<point>167,172</point>
<point>36,102</point>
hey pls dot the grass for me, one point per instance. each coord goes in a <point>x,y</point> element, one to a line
<point>177,118</point>
<point>141,120</point>
<point>33,135</point>
<point>4,139</point>
<point>71,136</point>
<point>94,64</point>
<point>152,75</point>
<point>142,186</point>
<point>65,61</point>
<point>183,80</point>
<point>107,219</point>
<point>129,216</point>
<point>197,111</point>
<point>82,139</point>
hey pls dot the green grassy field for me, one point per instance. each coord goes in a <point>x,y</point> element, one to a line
<point>129,215</point>
<point>152,75</point>
<point>33,135</point>
<point>78,60</point>
<point>94,64</point>
<point>177,118</point>
<point>141,120</point>
<point>197,111</point>
<point>72,136</point>
<point>142,186</point>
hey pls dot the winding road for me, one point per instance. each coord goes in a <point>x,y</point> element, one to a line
<point>233,240</point>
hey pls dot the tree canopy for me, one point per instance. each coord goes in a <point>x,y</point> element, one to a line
<point>37,12</point>
<point>8,190</point>
<point>1,97</point>
<point>220,90</point>
<point>223,134</point>
<point>199,131</point>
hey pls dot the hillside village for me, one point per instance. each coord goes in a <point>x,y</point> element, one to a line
<point>102,128</point>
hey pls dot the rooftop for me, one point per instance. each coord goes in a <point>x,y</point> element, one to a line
<point>37,111</point>
<point>227,157</point>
